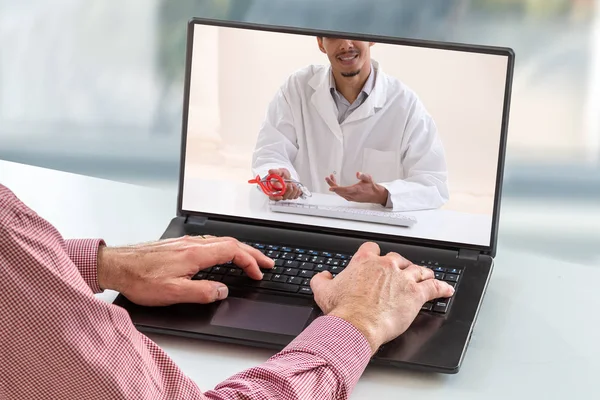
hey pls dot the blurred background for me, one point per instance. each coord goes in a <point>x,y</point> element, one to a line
<point>95,87</point>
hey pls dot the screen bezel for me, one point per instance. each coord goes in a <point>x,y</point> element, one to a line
<point>492,50</point>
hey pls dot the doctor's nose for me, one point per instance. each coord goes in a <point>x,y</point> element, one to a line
<point>346,44</point>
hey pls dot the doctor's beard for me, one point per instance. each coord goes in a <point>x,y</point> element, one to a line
<point>350,74</point>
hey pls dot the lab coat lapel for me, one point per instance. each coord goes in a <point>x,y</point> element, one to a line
<point>365,110</point>
<point>375,101</point>
<point>323,102</point>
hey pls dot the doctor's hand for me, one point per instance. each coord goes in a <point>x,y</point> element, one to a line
<point>159,273</point>
<point>364,191</point>
<point>292,191</point>
<point>379,295</point>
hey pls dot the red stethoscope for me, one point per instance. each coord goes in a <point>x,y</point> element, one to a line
<point>274,185</point>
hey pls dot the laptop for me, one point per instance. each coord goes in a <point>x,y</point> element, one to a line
<point>439,155</point>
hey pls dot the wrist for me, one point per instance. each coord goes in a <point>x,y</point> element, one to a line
<point>382,195</point>
<point>365,328</point>
<point>109,269</point>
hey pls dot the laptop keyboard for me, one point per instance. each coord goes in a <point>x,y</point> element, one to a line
<point>294,267</point>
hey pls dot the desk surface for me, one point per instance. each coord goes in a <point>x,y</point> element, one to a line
<point>537,335</point>
<point>244,200</point>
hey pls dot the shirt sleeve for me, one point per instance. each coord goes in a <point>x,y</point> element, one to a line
<point>425,184</point>
<point>276,144</point>
<point>323,362</point>
<point>84,254</point>
<point>76,345</point>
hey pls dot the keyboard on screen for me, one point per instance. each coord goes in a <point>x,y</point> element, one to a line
<point>294,267</point>
<point>386,217</point>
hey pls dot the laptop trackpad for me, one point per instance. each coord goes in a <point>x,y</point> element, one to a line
<point>284,319</point>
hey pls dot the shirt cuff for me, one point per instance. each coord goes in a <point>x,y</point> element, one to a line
<point>338,342</point>
<point>389,203</point>
<point>84,254</point>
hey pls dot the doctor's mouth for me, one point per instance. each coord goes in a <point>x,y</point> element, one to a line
<point>348,58</point>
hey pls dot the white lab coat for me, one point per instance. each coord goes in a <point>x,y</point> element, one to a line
<point>390,136</point>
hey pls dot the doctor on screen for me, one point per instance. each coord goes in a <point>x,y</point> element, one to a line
<point>352,130</point>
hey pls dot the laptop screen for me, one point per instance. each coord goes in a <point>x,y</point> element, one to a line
<point>332,132</point>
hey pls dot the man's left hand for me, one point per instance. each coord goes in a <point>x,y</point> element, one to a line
<point>364,191</point>
<point>159,273</point>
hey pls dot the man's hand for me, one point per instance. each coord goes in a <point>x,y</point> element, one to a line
<point>159,273</point>
<point>292,191</point>
<point>380,296</point>
<point>364,191</point>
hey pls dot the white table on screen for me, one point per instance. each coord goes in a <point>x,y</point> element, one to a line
<point>245,200</point>
<point>536,336</point>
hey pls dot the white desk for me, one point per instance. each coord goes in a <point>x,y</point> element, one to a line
<point>245,200</point>
<point>537,337</point>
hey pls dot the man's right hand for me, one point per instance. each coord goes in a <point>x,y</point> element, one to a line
<point>292,191</point>
<point>380,296</point>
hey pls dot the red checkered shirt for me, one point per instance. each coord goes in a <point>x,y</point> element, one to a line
<point>59,341</point>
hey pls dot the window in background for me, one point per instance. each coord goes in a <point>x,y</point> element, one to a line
<point>95,87</point>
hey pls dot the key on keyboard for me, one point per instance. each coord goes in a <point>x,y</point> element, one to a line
<point>347,213</point>
<point>291,276</point>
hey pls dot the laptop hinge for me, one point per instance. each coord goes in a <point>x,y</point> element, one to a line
<point>196,220</point>
<point>465,254</point>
